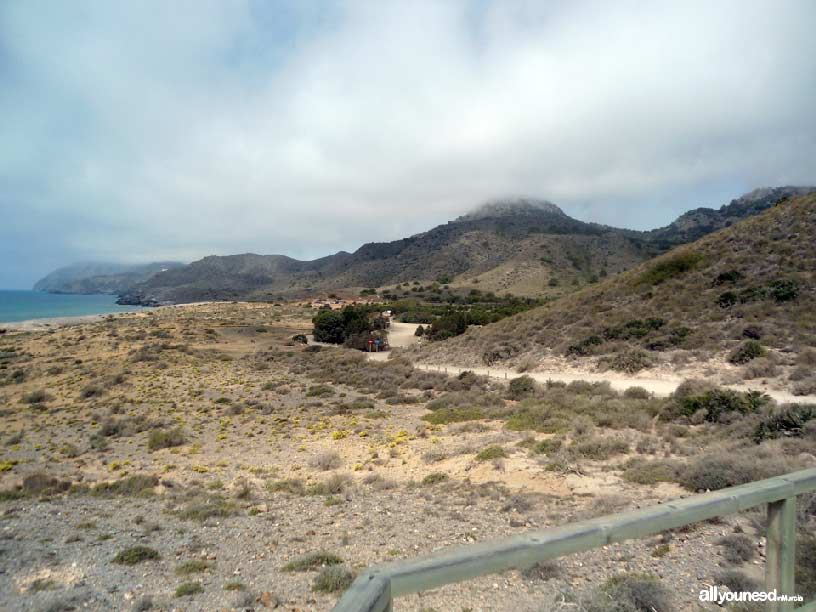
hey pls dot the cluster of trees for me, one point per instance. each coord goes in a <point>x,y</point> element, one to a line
<point>353,326</point>
<point>445,321</point>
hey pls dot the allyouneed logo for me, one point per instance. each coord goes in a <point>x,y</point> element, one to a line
<point>714,595</point>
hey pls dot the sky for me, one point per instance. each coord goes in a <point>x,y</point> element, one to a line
<point>144,131</point>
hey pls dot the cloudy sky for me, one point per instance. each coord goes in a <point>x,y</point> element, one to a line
<point>144,130</point>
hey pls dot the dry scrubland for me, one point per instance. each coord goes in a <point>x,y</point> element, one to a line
<point>194,458</point>
<point>737,305</point>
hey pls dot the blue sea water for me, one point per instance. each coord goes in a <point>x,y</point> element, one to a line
<point>19,305</point>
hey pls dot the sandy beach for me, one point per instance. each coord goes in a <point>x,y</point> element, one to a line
<point>46,323</point>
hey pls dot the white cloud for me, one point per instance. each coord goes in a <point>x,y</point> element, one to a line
<point>148,130</point>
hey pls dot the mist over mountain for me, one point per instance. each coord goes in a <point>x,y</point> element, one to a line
<point>753,280</point>
<point>100,277</point>
<point>520,245</point>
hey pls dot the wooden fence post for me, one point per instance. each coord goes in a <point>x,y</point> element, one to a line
<point>780,553</point>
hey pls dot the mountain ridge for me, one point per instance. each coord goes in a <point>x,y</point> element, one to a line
<point>525,246</point>
<point>100,277</point>
<point>751,282</point>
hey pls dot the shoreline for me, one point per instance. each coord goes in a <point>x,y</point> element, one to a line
<point>46,323</point>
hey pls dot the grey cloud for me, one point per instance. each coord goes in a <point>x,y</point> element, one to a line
<point>142,131</point>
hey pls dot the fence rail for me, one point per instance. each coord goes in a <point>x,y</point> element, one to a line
<point>375,588</point>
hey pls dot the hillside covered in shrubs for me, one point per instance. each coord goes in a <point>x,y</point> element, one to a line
<point>744,294</point>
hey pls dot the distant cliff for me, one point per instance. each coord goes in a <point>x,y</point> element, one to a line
<point>101,277</point>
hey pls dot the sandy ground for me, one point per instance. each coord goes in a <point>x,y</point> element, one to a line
<point>252,420</point>
<point>400,335</point>
<point>47,323</point>
<point>56,322</point>
<point>662,387</point>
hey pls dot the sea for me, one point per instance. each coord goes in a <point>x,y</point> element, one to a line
<point>20,305</point>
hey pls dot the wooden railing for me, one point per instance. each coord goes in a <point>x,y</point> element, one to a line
<point>375,588</point>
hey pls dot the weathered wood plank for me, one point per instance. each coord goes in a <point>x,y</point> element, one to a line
<point>780,556</point>
<point>455,565</point>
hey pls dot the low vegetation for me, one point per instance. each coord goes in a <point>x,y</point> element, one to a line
<point>631,593</point>
<point>312,561</point>
<point>702,301</point>
<point>136,555</point>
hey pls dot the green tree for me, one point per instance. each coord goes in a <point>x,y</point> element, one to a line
<point>329,326</point>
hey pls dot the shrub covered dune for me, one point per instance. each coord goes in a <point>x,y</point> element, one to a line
<point>744,294</point>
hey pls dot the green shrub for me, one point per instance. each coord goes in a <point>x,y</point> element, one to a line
<point>312,561</point>
<point>331,486</point>
<point>790,421</point>
<point>635,328</point>
<point>36,397</point>
<point>292,486</point>
<point>629,362</point>
<point>538,418</point>
<point>647,472</point>
<point>490,453</point>
<point>670,266</point>
<point>194,566</point>
<point>205,507</point>
<point>748,350</point>
<point>135,555</point>
<point>444,416</point>
<point>729,276</point>
<point>165,439</point>
<point>521,387</point>
<point>91,391</point>
<point>727,299</point>
<point>718,470</point>
<point>548,446</point>
<point>637,393</point>
<point>319,391</point>
<point>137,484</point>
<point>333,579</point>
<point>784,290</point>
<point>40,483</point>
<point>583,348</point>
<point>718,402</point>
<point>434,478</point>
<point>600,448</point>
<point>234,586</point>
<point>329,327</point>
<point>186,589</point>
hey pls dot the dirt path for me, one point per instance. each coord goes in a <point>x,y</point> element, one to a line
<point>661,387</point>
<point>400,335</point>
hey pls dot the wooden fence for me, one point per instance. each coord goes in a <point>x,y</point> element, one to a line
<point>375,588</point>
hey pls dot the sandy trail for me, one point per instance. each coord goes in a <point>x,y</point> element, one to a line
<point>402,335</point>
<point>660,387</point>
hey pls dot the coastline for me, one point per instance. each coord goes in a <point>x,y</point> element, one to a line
<point>56,322</point>
<point>47,323</point>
